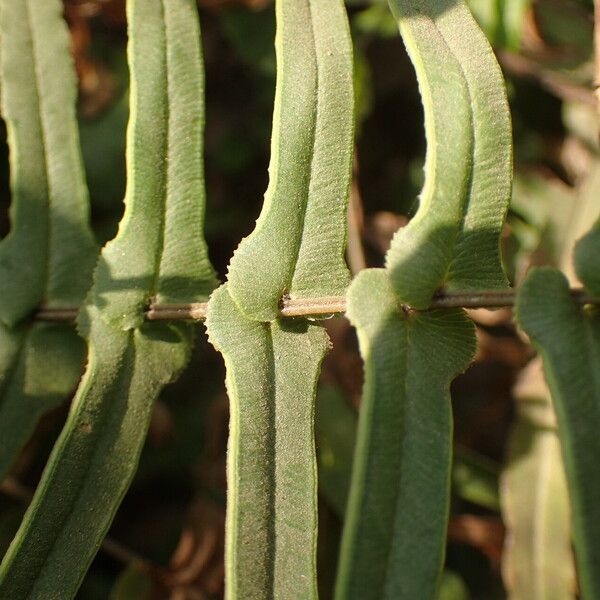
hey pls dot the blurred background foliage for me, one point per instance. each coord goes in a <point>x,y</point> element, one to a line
<point>509,500</point>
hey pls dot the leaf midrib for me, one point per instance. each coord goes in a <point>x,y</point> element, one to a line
<point>315,113</point>
<point>44,141</point>
<point>165,169</point>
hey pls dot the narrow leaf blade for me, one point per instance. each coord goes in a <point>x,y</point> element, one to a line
<point>311,147</point>
<point>556,325</point>
<point>453,239</point>
<point>49,253</point>
<point>537,561</point>
<point>271,529</point>
<point>394,535</point>
<point>159,248</point>
<point>94,459</point>
<point>96,455</point>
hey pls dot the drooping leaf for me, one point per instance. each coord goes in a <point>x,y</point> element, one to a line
<point>453,240</point>
<point>556,325</point>
<point>271,530</point>
<point>394,534</point>
<point>49,253</point>
<point>311,153</point>
<point>537,561</point>
<point>97,452</point>
<point>160,251</point>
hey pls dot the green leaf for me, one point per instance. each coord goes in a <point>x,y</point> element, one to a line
<point>49,254</point>
<point>537,561</point>
<point>96,455</point>
<point>452,587</point>
<point>514,17</point>
<point>39,366</point>
<point>587,260</point>
<point>502,20</point>
<point>160,250</point>
<point>94,459</point>
<point>271,530</point>
<point>311,154</point>
<point>557,325</point>
<point>453,240</point>
<point>395,530</point>
<point>336,424</point>
<point>475,479</point>
<point>133,584</point>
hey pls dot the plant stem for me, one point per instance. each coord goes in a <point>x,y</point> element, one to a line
<point>331,305</point>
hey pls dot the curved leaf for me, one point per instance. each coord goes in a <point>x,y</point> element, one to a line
<point>296,250</point>
<point>453,240</point>
<point>49,254</point>
<point>311,155</point>
<point>97,453</point>
<point>94,459</point>
<point>160,249</point>
<point>271,530</point>
<point>395,530</point>
<point>557,325</point>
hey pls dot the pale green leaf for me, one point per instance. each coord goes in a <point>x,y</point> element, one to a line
<point>395,530</point>
<point>453,240</point>
<point>159,250</point>
<point>297,247</point>
<point>49,253</point>
<point>556,325</point>
<point>514,18</point>
<point>502,20</point>
<point>537,561</point>
<point>271,530</point>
